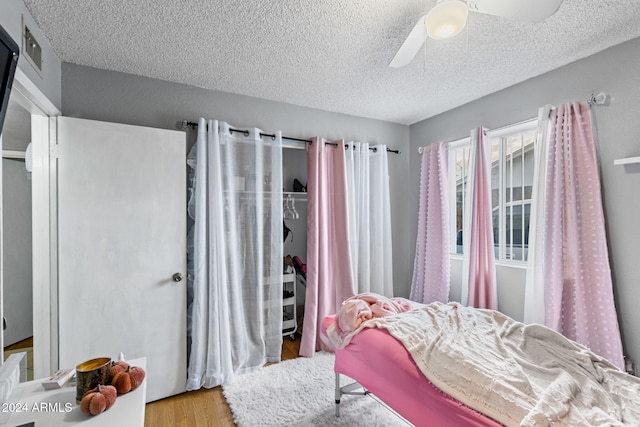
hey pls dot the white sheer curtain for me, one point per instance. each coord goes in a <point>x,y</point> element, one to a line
<point>534,307</point>
<point>369,218</point>
<point>236,258</point>
<point>380,205</point>
<point>358,199</point>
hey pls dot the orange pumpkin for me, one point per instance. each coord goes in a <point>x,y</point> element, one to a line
<point>128,380</point>
<point>98,400</point>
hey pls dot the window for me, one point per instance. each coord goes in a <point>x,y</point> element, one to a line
<point>458,173</point>
<point>512,154</point>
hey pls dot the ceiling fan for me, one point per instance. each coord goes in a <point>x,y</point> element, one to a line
<point>448,17</point>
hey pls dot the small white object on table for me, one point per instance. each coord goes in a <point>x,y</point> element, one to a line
<point>52,408</point>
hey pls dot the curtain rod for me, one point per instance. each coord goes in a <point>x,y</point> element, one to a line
<point>594,99</point>
<point>193,125</point>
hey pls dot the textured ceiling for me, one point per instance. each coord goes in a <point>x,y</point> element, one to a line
<point>330,54</point>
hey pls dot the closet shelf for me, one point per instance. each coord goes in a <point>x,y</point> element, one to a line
<point>289,315</point>
<point>297,195</point>
<point>627,161</point>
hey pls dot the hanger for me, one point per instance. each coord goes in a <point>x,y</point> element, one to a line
<point>289,210</point>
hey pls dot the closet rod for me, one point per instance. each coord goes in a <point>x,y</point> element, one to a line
<point>13,154</point>
<point>346,147</point>
<point>193,125</point>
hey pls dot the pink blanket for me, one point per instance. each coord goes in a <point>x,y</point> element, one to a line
<point>358,309</point>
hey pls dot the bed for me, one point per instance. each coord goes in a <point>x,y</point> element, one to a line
<point>541,380</point>
<point>383,366</point>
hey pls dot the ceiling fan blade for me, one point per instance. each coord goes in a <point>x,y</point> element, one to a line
<point>523,10</point>
<point>411,45</point>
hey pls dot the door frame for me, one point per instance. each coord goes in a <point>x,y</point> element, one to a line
<point>44,220</point>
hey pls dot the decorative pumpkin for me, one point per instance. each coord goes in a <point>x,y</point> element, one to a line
<point>98,400</point>
<point>128,380</point>
<point>117,367</point>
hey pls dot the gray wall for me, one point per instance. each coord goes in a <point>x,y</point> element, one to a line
<point>12,14</point>
<point>123,98</point>
<point>614,71</point>
<point>16,254</point>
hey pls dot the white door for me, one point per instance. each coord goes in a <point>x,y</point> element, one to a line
<point>121,239</point>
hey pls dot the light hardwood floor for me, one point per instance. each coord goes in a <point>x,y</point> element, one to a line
<point>25,345</point>
<point>202,408</point>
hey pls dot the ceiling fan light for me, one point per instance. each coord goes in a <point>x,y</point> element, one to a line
<point>446,19</point>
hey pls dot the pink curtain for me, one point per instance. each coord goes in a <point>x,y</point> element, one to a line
<point>329,280</point>
<point>479,270</point>
<point>578,289</point>
<point>431,266</point>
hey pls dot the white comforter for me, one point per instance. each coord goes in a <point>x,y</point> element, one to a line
<point>517,374</point>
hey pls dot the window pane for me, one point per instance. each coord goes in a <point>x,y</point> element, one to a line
<point>496,186</point>
<point>513,164</point>
<point>495,172</point>
<point>527,217</point>
<point>461,156</point>
<point>529,137</point>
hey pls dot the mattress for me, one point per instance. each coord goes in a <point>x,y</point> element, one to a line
<point>382,365</point>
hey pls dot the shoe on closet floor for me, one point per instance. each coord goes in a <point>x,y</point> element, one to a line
<point>300,267</point>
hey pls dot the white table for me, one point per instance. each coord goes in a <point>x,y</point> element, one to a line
<point>53,408</point>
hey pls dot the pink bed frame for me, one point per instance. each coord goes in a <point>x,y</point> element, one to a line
<point>382,365</point>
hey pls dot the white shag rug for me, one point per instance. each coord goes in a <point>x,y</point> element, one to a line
<point>301,393</point>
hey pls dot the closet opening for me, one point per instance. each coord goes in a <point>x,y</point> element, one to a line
<point>294,181</point>
<point>17,264</point>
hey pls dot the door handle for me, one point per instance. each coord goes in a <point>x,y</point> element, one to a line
<point>177,277</point>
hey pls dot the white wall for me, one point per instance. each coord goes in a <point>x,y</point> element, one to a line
<point>123,98</point>
<point>12,13</point>
<point>614,71</point>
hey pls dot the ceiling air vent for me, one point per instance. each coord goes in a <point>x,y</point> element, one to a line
<point>32,50</point>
